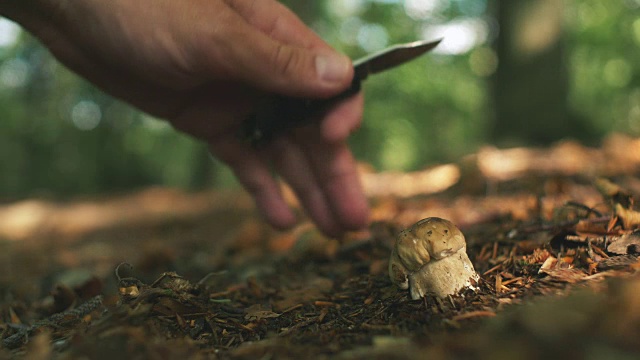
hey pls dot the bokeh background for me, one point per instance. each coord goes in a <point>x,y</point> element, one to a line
<point>508,73</point>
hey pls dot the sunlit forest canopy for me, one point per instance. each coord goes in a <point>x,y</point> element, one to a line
<point>507,73</point>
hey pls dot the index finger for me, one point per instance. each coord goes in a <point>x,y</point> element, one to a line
<point>336,173</point>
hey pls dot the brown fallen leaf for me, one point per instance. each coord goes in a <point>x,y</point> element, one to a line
<point>168,306</point>
<point>630,218</point>
<point>625,244</point>
<point>617,262</point>
<point>257,312</point>
<point>315,290</point>
<point>474,314</point>
<point>548,264</point>
<point>15,319</point>
<point>586,228</point>
<point>131,292</point>
<point>568,275</point>
<point>614,192</point>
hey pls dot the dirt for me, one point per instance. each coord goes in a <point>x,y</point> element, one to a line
<point>166,274</point>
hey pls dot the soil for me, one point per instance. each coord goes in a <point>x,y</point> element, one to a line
<point>553,234</point>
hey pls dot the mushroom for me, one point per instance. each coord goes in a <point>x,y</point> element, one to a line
<point>430,257</point>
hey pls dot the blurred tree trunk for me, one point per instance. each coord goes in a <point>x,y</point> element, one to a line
<point>530,86</point>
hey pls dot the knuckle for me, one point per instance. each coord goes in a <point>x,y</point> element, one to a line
<point>286,61</point>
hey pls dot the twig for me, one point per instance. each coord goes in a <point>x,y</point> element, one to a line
<point>65,318</point>
<point>474,314</point>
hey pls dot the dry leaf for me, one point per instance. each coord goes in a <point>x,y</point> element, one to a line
<point>617,262</point>
<point>548,264</point>
<point>257,312</point>
<point>130,291</point>
<point>625,244</point>
<point>15,319</point>
<point>630,218</point>
<point>571,275</point>
<point>614,192</point>
<point>586,228</point>
<point>315,290</point>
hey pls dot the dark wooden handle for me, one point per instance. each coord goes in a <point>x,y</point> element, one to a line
<point>278,115</point>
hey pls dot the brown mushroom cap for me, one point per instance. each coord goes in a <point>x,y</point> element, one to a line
<point>440,237</point>
<point>398,272</point>
<point>411,251</point>
<point>428,238</point>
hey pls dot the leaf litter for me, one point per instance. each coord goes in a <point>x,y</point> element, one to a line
<point>557,255</point>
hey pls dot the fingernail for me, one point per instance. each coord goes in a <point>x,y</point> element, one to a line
<point>333,68</point>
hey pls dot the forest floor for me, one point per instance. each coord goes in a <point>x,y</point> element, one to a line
<point>164,274</point>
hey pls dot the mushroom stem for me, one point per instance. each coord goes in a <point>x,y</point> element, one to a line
<point>443,277</point>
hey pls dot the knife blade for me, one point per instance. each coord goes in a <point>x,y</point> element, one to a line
<point>276,115</point>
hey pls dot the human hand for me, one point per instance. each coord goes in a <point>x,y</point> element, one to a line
<point>203,64</point>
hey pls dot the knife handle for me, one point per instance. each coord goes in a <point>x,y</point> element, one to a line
<point>276,115</point>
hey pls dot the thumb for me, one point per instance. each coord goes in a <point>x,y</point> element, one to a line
<point>288,69</point>
<point>294,70</point>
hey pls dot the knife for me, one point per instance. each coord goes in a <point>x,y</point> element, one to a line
<point>276,115</point>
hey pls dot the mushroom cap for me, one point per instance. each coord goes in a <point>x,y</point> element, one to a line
<point>397,272</point>
<point>430,238</point>
<point>411,250</point>
<point>440,237</point>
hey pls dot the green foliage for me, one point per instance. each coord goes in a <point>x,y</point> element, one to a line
<point>50,143</point>
<point>60,136</point>
<point>605,61</point>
